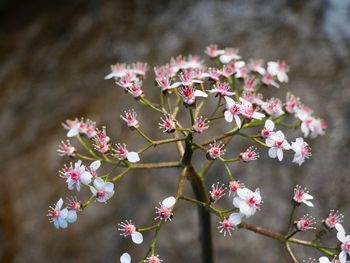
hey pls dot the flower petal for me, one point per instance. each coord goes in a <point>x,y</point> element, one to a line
<point>137,237</point>
<point>125,258</point>
<point>169,202</point>
<point>199,93</point>
<point>95,165</point>
<point>133,157</point>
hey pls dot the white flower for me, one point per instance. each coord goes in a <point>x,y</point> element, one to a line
<point>277,144</point>
<point>117,71</point>
<point>302,196</point>
<point>232,111</point>
<point>345,240</point>
<point>102,190</point>
<point>61,217</point>
<point>164,211</point>
<point>247,201</point>
<point>127,228</point>
<point>130,118</point>
<point>268,129</point>
<point>247,110</point>
<point>278,69</point>
<point>326,260</point>
<point>77,175</point>
<point>94,167</point>
<point>228,224</point>
<point>125,258</point>
<point>301,149</point>
<point>189,94</point>
<point>230,54</point>
<point>122,152</point>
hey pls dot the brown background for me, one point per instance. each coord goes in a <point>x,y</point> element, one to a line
<point>53,59</point>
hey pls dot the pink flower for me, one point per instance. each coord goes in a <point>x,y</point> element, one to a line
<point>215,151</point>
<point>168,124</point>
<point>127,80</point>
<point>305,223</point>
<point>153,259</point>
<point>247,201</point>
<point>333,218</point>
<point>222,89</point>
<point>302,151</point>
<point>127,228</point>
<point>140,68</point>
<point>101,141</point>
<point>122,152</point>
<point>213,52</point>
<point>250,154</point>
<point>273,107</point>
<point>229,55</point>
<point>164,211</point>
<point>94,167</point>
<point>130,118</point>
<point>269,80</point>
<point>117,71</point>
<point>242,73</point>
<point>257,66</point>
<point>247,110</point>
<point>277,144</point>
<point>66,149</point>
<point>233,110</point>
<point>268,129</point>
<point>326,260</point>
<point>278,69</point>
<point>232,68</point>
<point>73,204</point>
<point>135,89</point>
<point>217,192</point>
<point>345,243</point>
<point>228,224</point>
<point>302,196</point>
<point>76,176</point>
<point>249,84</point>
<point>102,190</point>
<point>165,84</point>
<point>193,62</point>
<point>234,186</point>
<point>189,94</point>
<point>292,103</point>
<point>200,124</point>
<point>213,74</point>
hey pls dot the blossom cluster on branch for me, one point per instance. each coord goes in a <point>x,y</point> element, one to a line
<point>187,86</point>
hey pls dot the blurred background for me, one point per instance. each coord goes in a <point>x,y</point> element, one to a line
<point>53,57</point>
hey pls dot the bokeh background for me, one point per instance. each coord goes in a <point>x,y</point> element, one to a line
<point>53,56</point>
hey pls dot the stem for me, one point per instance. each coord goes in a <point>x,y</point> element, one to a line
<point>291,217</point>
<point>290,252</point>
<point>144,136</point>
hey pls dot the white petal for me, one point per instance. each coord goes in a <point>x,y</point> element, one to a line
<point>229,102</point>
<point>237,201</point>
<point>270,125</point>
<point>244,193</point>
<point>308,203</point>
<point>246,209</point>
<point>272,152</point>
<point>176,84</point>
<point>72,216</point>
<point>224,59</point>
<point>307,196</point>
<point>258,115</point>
<point>93,190</point>
<point>108,187</point>
<point>56,224</point>
<point>85,178</point>
<point>125,258</point>
<point>228,116</point>
<point>98,183</point>
<point>199,93</point>
<point>64,213</point>
<point>133,157</point>
<point>279,154</point>
<point>324,260</point>
<point>59,204</point>
<point>169,202</point>
<point>238,121</point>
<point>137,237</point>
<point>62,222</point>
<point>95,165</point>
<point>269,142</point>
<point>235,218</point>
<point>342,257</point>
<point>74,131</point>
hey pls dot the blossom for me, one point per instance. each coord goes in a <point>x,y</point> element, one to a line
<point>257,66</point>
<point>153,259</point>
<point>301,149</point>
<point>60,217</point>
<point>269,80</point>
<point>249,84</point>
<point>74,127</point>
<point>305,223</point>
<point>125,258</point>
<point>213,74</point>
<point>76,176</point>
<point>268,129</point>
<point>292,103</point>
<point>102,190</point>
<point>165,84</point>
<point>135,89</point>
<point>234,186</point>
<point>66,149</point>
<point>277,144</point>
<point>216,150</point>
<point>168,124</point>
<point>130,118</point>
<point>94,167</point>
<point>73,204</point>
<point>232,68</point>
<point>247,201</point>
<point>229,55</point>
<point>232,111</point>
<point>247,110</point>
<point>212,51</point>
<point>163,212</point>
<point>127,228</point>
<point>189,94</point>
<point>117,71</point>
<point>200,124</point>
<point>222,89</point>
<point>187,78</point>
<point>250,154</point>
<point>122,152</point>
<point>302,196</point>
<point>273,107</point>
<point>333,218</point>
<point>345,243</point>
<point>193,62</point>
<point>228,224</point>
<point>242,73</point>
<point>140,68</point>
<point>278,69</point>
<point>126,80</point>
<point>217,191</point>
<point>101,141</point>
